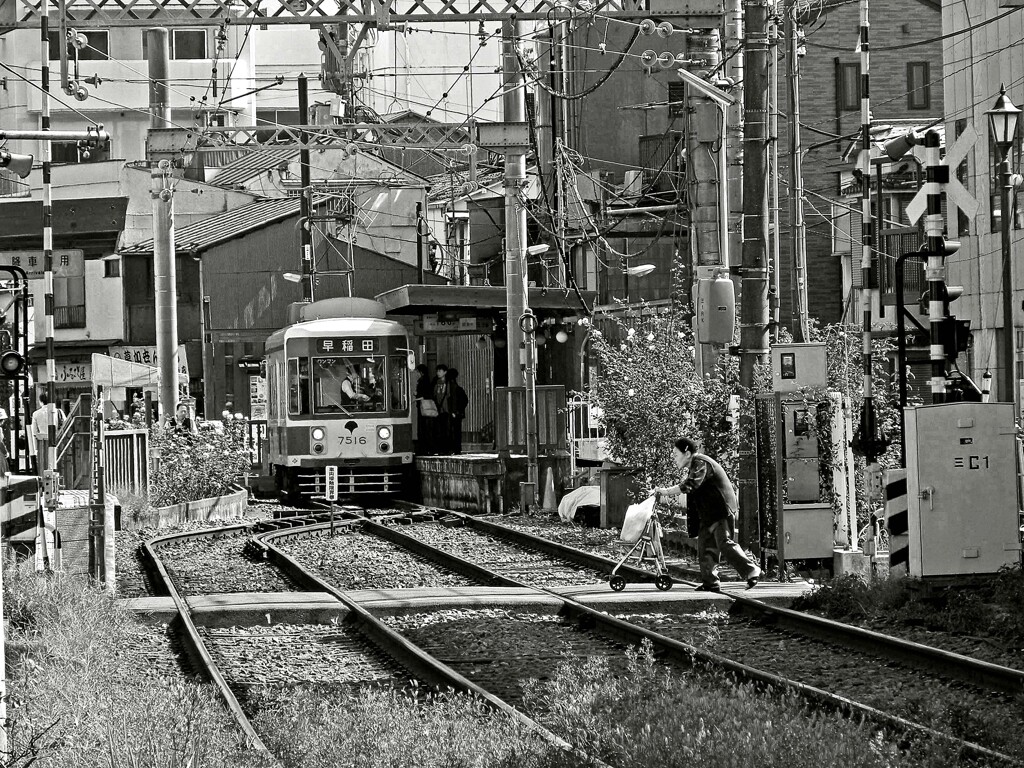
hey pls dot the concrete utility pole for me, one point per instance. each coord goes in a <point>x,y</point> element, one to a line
<point>164,257</point>
<point>305,207</point>
<point>797,231</point>
<point>733,155</point>
<point>521,321</point>
<point>754,266</point>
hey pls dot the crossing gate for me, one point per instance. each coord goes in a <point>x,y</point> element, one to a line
<point>897,520</point>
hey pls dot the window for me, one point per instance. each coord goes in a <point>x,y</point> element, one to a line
<point>348,385</point>
<point>69,302</point>
<point>298,386</point>
<point>847,86</point>
<point>919,89</point>
<point>184,44</point>
<point>111,267</point>
<point>97,47</point>
<point>188,44</point>
<point>398,388</point>
<point>269,120</point>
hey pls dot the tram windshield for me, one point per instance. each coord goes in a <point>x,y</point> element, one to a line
<point>353,384</point>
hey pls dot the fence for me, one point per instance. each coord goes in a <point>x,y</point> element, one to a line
<point>127,461</point>
<point>586,433</point>
<point>510,420</point>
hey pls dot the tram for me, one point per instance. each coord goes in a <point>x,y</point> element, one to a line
<point>338,395</point>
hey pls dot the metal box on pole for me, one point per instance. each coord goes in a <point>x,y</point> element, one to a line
<point>961,489</point>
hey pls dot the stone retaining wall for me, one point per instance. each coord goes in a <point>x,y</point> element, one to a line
<point>217,508</point>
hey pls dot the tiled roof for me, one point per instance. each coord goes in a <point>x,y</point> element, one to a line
<point>198,237</point>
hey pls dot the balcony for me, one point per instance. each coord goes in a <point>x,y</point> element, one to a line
<point>69,317</point>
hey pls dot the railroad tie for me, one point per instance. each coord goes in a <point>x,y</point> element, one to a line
<point>896,519</point>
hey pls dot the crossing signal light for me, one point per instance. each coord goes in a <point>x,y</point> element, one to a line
<point>956,337</point>
<point>12,364</point>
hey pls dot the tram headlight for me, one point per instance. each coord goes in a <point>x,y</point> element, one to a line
<point>317,433</point>
<point>384,433</point>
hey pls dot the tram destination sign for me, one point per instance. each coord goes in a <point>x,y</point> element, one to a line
<point>341,345</point>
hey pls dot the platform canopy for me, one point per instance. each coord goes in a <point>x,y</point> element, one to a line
<point>476,299</point>
<point>110,372</point>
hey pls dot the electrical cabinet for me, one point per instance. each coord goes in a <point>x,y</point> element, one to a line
<point>805,521</point>
<point>961,489</point>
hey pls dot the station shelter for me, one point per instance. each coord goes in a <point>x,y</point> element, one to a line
<point>465,327</point>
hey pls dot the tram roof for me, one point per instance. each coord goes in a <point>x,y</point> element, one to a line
<point>336,326</point>
<point>427,299</point>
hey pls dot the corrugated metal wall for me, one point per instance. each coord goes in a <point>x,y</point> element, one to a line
<point>476,376</point>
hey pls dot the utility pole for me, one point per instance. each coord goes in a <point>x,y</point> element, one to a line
<point>49,471</point>
<point>305,207</point>
<point>164,257</point>
<point>521,321</point>
<point>732,158</point>
<point>776,229</point>
<point>797,230</point>
<point>754,266</point>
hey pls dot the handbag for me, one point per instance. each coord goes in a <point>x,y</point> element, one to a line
<point>428,408</point>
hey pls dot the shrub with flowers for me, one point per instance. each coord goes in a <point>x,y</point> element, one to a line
<point>649,394</point>
<point>192,467</point>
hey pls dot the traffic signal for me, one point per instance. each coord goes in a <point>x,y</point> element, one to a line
<point>12,364</point>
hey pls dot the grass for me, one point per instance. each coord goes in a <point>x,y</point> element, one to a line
<point>80,694</point>
<point>994,609</point>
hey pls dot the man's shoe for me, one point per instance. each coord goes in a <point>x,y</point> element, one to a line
<point>704,588</point>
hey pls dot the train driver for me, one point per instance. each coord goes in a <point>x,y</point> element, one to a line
<point>351,388</point>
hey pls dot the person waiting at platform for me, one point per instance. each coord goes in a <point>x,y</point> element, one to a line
<point>444,408</point>
<point>459,401</point>
<point>39,430</point>
<point>426,413</point>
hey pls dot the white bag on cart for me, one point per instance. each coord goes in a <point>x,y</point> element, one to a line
<point>636,519</point>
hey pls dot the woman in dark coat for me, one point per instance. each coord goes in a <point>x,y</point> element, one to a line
<point>425,424</point>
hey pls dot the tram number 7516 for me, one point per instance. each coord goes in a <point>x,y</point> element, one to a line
<point>352,440</point>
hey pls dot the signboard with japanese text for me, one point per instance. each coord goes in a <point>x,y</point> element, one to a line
<point>66,262</point>
<point>346,346</point>
<point>68,373</point>
<point>453,325</point>
<point>146,355</point>
<point>257,398</point>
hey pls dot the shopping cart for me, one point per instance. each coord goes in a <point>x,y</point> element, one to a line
<point>642,528</point>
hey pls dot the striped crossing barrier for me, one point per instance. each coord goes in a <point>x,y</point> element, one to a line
<point>896,519</point>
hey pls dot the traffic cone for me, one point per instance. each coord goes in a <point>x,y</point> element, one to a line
<point>549,503</point>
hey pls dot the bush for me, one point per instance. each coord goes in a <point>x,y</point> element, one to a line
<point>81,694</point>
<point>651,717</point>
<point>373,727</point>
<point>193,467</point>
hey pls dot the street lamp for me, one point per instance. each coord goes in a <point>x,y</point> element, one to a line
<point>1002,121</point>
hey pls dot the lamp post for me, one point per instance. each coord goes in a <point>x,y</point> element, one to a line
<point>1002,121</point>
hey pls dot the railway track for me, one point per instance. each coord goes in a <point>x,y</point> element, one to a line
<point>355,649</point>
<point>464,640</point>
<point>492,652</point>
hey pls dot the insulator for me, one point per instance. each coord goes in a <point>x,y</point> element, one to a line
<point>79,41</point>
<point>666,60</point>
<point>468,149</point>
<point>647,27</point>
<point>665,29</point>
<point>81,92</point>
<point>648,58</point>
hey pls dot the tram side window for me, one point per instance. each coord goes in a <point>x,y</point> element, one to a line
<point>399,383</point>
<point>298,386</point>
